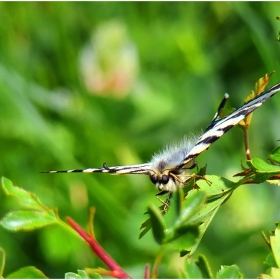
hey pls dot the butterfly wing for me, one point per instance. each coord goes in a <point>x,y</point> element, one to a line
<point>218,128</point>
<point>118,170</point>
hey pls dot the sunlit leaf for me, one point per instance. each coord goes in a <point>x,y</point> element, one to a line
<point>274,182</point>
<point>80,275</point>
<point>264,276</point>
<point>27,220</point>
<point>28,272</point>
<point>27,199</point>
<point>262,82</point>
<point>263,167</point>
<point>275,245</point>
<point>271,273</point>
<point>191,271</point>
<point>229,272</point>
<point>215,185</point>
<point>275,273</point>
<point>259,88</point>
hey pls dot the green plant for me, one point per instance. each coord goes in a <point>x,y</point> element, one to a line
<point>181,229</point>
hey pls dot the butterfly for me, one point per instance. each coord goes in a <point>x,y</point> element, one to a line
<point>170,169</point>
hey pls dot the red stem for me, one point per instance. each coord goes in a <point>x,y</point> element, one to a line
<point>117,271</point>
<point>147,272</point>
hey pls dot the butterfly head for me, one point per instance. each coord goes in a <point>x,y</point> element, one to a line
<point>169,178</point>
<point>164,181</point>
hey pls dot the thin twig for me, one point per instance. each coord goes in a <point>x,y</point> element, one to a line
<point>154,272</point>
<point>246,142</point>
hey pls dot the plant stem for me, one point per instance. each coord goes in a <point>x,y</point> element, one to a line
<point>147,272</point>
<point>117,271</point>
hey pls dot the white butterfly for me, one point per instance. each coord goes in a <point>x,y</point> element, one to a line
<point>170,168</point>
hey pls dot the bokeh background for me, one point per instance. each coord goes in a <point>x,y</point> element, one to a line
<point>87,83</point>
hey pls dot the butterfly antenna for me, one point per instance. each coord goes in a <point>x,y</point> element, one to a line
<point>217,114</point>
<point>221,106</point>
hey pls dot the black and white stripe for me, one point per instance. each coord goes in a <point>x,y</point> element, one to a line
<point>218,128</point>
<point>169,169</point>
<point>127,169</point>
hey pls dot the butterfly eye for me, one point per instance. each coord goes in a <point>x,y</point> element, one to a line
<point>153,178</point>
<point>165,179</point>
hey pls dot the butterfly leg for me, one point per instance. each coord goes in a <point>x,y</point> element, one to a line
<point>198,177</point>
<point>166,203</point>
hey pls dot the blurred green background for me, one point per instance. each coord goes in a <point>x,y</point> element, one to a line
<point>87,83</point>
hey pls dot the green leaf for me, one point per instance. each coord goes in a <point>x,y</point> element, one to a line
<point>182,238</point>
<point>275,155</point>
<point>263,167</point>
<point>27,199</point>
<point>217,193</point>
<point>193,202</point>
<point>262,82</point>
<point>192,270</point>
<point>204,267</point>
<point>272,273</point>
<point>275,273</point>
<point>275,245</point>
<point>95,275</point>
<point>183,235</point>
<point>229,272</point>
<point>28,272</point>
<point>265,276</point>
<point>147,225</point>
<point>81,275</point>
<point>207,217</point>
<point>188,229</point>
<point>28,220</point>
<point>216,186</point>
<point>2,262</point>
<point>270,260</point>
<point>178,197</point>
<point>157,222</point>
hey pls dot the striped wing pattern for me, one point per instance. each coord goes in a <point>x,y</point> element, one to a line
<point>218,128</point>
<point>126,169</point>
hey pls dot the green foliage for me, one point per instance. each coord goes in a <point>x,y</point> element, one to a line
<point>259,171</point>
<point>189,220</point>
<point>197,269</point>
<point>28,272</point>
<point>188,55</point>
<point>275,155</point>
<point>34,216</point>
<point>273,259</point>
<point>229,272</point>
<point>80,275</point>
